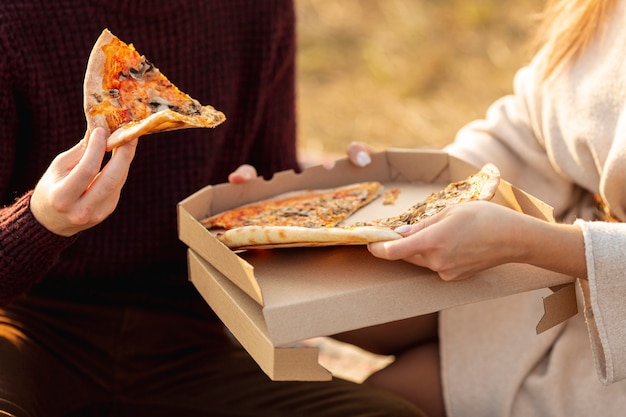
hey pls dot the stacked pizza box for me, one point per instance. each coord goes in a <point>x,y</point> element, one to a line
<point>270,299</point>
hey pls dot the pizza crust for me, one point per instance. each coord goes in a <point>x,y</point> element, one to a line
<point>491,184</point>
<point>161,121</point>
<point>267,237</point>
<point>93,80</point>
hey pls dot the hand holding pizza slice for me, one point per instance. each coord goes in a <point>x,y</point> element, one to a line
<point>124,97</point>
<point>129,97</point>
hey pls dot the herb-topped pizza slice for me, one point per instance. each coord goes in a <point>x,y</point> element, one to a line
<point>129,97</point>
<point>305,208</point>
<point>479,186</point>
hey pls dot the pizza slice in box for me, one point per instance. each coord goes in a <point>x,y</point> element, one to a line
<point>314,217</point>
<point>129,97</point>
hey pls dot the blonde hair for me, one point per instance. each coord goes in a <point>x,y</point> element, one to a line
<point>567,27</point>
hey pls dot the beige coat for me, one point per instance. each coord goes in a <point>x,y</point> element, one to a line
<point>561,141</point>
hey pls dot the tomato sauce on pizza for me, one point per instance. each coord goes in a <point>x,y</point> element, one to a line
<point>309,208</point>
<point>133,88</point>
<point>123,90</point>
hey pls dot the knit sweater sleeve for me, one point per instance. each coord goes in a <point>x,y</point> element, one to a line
<point>27,249</point>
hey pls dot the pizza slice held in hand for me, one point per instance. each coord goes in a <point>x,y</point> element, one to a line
<point>129,97</point>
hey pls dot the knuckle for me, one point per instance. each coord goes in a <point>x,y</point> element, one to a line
<point>446,277</point>
<point>451,273</point>
<point>81,217</point>
<point>444,268</point>
<point>392,252</point>
<point>59,205</point>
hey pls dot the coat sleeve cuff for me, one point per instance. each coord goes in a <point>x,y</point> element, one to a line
<point>604,293</point>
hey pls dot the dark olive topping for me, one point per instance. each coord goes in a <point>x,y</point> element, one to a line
<point>144,67</point>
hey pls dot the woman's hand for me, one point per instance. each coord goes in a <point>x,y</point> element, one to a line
<point>463,240</point>
<point>242,174</point>
<point>359,153</point>
<point>74,193</point>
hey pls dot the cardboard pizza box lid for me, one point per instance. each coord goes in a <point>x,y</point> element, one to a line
<point>300,293</point>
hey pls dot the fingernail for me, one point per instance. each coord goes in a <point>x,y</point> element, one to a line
<point>402,229</point>
<point>363,159</point>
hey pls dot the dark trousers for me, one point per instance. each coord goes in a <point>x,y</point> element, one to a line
<point>61,358</point>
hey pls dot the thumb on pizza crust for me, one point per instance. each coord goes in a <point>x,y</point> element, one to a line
<point>404,230</point>
<point>410,229</point>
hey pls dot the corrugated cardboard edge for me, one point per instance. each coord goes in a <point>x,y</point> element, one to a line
<point>558,307</point>
<point>196,236</point>
<point>239,312</point>
<point>562,304</point>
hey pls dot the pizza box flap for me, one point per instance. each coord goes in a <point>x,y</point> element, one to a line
<point>307,298</point>
<point>196,236</point>
<point>248,321</point>
<point>238,311</point>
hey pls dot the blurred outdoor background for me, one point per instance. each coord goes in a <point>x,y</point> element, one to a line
<point>404,73</point>
<point>400,73</point>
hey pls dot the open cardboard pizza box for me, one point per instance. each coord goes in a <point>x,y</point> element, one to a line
<point>270,299</point>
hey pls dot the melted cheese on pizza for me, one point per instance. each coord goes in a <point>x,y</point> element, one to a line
<point>469,189</point>
<point>321,208</point>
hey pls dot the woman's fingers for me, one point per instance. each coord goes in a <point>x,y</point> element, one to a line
<point>456,242</point>
<point>359,153</point>
<point>242,174</point>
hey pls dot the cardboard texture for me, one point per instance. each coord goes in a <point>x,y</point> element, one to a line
<point>270,299</point>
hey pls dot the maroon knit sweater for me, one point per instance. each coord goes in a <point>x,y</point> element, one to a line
<point>237,55</point>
